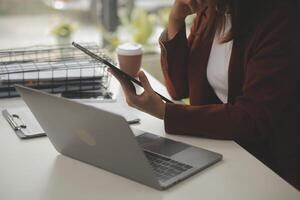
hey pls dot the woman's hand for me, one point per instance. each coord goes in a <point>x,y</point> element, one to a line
<point>180,10</point>
<point>148,101</point>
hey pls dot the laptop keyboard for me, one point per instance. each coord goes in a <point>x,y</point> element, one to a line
<point>165,168</point>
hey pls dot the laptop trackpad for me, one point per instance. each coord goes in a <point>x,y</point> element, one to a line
<point>160,145</point>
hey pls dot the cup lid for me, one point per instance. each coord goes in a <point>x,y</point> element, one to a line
<point>129,49</point>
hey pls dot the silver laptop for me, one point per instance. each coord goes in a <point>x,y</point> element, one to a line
<point>105,140</point>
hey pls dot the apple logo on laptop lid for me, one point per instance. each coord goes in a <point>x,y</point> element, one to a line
<point>86,138</point>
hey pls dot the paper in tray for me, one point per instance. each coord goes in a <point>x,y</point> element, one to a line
<point>52,69</point>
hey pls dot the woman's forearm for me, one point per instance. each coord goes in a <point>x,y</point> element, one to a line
<point>174,25</point>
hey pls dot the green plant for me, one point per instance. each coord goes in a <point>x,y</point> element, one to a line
<point>110,39</point>
<point>143,26</point>
<point>137,28</point>
<point>164,16</point>
<point>63,29</point>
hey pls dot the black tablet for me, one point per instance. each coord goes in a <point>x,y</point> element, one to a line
<point>116,69</point>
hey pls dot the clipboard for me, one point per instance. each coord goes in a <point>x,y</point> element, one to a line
<point>26,126</point>
<point>23,123</point>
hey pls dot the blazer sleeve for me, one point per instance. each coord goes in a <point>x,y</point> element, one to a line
<point>271,84</point>
<point>174,60</point>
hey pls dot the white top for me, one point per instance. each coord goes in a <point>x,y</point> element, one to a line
<point>218,64</point>
<point>129,49</point>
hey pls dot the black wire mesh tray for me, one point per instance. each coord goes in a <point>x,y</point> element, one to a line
<point>55,69</point>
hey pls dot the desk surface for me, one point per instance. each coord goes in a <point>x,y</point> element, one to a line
<point>33,170</point>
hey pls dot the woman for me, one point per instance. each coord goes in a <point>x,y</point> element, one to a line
<point>240,68</point>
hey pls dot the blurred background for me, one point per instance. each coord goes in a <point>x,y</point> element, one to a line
<point>107,23</point>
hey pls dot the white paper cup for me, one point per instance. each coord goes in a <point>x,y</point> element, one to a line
<point>130,58</point>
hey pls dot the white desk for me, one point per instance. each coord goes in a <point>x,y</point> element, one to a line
<point>33,170</point>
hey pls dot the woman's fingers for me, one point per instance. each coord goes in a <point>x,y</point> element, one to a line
<point>148,102</point>
<point>196,5</point>
<point>127,86</point>
<point>144,80</point>
<point>192,5</point>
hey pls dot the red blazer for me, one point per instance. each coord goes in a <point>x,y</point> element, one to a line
<point>263,109</point>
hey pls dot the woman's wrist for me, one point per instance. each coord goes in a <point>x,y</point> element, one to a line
<point>179,18</point>
<point>174,25</point>
<point>162,110</point>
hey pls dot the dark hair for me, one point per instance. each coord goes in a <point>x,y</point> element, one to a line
<point>245,15</point>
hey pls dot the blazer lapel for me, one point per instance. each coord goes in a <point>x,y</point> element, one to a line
<point>235,72</point>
